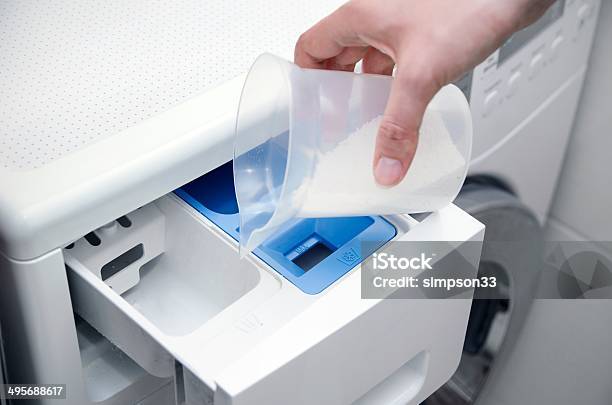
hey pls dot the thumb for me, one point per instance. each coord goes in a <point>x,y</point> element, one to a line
<point>398,133</point>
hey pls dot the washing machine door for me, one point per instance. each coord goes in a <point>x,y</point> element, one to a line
<point>511,252</point>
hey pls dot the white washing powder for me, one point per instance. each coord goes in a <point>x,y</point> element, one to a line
<point>343,181</point>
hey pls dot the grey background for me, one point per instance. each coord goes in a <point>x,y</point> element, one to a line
<point>564,356</point>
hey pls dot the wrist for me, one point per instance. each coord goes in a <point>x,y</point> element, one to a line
<point>510,16</point>
<point>526,12</point>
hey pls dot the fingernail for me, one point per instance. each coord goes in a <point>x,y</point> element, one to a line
<point>388,171</point>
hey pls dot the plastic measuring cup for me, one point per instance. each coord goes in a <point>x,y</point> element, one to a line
<point>304,147</point>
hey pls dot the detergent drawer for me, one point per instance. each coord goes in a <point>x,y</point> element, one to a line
<point>165,285</point>
<point>162,274</point>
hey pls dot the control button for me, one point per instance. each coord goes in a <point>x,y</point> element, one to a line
<point>536,65</point>
<point>556,46</point>
<point>490,101</point>
<point>513,83</point>
<point>585,11</point>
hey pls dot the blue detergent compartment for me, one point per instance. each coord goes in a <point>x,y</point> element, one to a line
<point>311,253</point>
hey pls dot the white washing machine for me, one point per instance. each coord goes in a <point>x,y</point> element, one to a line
<point>118,260</point>
<point>523,98</point>
<point>109,107</point>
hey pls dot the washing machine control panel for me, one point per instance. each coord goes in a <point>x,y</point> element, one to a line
<point>528,69</point>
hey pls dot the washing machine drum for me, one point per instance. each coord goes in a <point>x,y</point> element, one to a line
<point>511,252</point>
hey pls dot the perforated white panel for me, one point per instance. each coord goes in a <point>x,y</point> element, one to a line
<point>73,72</point>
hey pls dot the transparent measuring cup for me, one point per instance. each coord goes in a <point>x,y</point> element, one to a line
<point>304,147</point>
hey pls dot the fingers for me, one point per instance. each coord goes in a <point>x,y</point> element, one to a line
<point>330,38</point>
<point>347,59</point>
<point>374,61</point>
<point>398,134</point>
